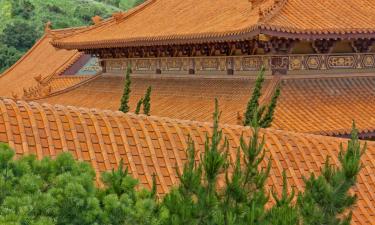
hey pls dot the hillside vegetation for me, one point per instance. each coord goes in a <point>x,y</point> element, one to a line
<point>22,21</point>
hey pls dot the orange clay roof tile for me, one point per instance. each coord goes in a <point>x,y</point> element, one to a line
<point>206,20</point>
<point>42,63</point>
<point>158,145</point>
<point>321,105</point>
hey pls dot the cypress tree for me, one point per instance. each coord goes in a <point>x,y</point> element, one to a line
<point>139,104</point>
<point>266,121</point>
<point>124,107</point>
<point>147,101</point>
<point>253,103</point>
<point>264,114</point>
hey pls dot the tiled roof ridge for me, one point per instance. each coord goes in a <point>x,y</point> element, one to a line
<point>37,43</point>
<point>44,83</point>
<point>58,71</point>
<point>272,10</point>
<point>68,63</point>
<point>148,41</point>
<point>264,27</point>
<point>154,145</point>
<point>84,80</point>
<point>157,118</point>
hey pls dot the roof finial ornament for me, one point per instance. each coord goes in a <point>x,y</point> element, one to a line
<point>117,15</point>
<point>38,78</point>
<point>48,27</point>
<point>96,19</point>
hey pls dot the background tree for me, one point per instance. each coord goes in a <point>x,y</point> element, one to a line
<point>23,8</point>
<point>124,107</point>
<point>8,55</point>
<point>20,35</point>
<point>147,101</point>
<point>253,109</point>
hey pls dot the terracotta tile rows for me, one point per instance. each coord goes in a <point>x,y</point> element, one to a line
<point>205,19</point>
<point>63,82</point>
<point>182,98</point>
<point>322,105</point>
<point>42,60</point>
<point>155,145</point>
<point>327,105</point>
<point>223,20</point>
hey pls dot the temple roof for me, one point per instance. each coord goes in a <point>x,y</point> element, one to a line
<point>155,145</point>
<point>40,68</point>
<point>41,62</point>
<point>311,104</point>
<point>195,21</point>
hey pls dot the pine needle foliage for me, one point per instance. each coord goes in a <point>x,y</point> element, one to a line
<point>326,199</point>
<point>124,107</point>
<point>202,198</point>
<point>139,105</point>
<point>253,109</point>
<point>147,101</point>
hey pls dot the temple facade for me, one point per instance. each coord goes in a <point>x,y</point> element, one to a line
<point>237,37</point>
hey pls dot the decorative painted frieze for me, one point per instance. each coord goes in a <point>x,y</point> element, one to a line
<point>281,64</point>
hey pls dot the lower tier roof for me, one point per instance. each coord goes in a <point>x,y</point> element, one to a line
<point>155,145</point>
<point>42,60</point>
<point>316,104</point>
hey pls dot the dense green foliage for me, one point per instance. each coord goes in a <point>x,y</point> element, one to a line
<point>124,106</point>
<point>243,197</point>
<point>123,4</point>
<point>22,21</point>
<point>211,191</point>
<point>264,114</point>
<point>63,191</point>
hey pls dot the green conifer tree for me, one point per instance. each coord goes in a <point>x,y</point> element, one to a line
<point>326,199</point>
<point>124,107</point>
<point>138,108</point>
<point>200,200</point>
<point>147,101</point>
<point>253,109</point>
<point>267,119</point>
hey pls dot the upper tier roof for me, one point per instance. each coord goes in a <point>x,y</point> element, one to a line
<point>192,21</point>
<point>154,145</point>
<point>313,104</point>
